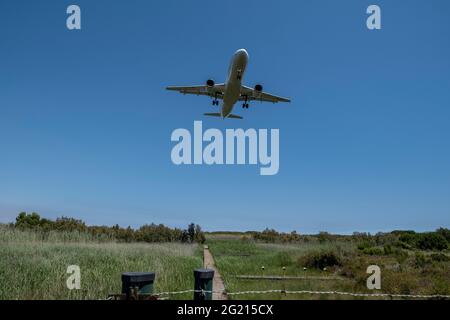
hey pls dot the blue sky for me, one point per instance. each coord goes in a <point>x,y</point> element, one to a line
<point>85,122</point>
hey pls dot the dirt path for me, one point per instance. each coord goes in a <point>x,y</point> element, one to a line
<point>218,285</point>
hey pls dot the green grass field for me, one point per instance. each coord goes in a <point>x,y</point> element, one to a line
<point>33,265</point>
<point>400,274</point>
<point>32,268</point>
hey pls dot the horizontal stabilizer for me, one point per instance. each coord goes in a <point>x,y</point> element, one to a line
<point>231,116</point>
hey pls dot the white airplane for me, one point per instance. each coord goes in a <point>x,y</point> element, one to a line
<point>232,90</point>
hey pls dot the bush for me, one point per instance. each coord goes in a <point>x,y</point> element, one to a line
<point>431,241</point>
<point>439,257</point>
<point>424,241</point>
<point>445,233</point>
<point>367,248</point>
<point>353,268</point>
<point>364,245</point>
<point>320,260</point>
<point>388,249</point>
<point>272,236</point>
<point>245,239</point>
<point>374,251</point>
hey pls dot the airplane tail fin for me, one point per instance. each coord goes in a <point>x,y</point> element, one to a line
<point>231,116</point>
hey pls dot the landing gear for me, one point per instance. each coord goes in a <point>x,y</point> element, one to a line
<point>215,101</point>
<point>245,104</point>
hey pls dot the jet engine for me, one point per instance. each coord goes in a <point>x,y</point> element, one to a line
<point>210,83</point>
<point>258,90</point>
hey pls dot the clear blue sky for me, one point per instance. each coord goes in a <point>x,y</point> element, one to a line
<point>85,122</point>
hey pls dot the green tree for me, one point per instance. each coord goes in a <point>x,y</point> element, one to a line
<point>199,235</point>
<point>191,232</point>
<point>25,220</point>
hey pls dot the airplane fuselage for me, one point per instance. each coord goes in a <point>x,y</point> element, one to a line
<point>233,83</point>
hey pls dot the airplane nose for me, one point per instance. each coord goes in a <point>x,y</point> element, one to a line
<point>242,53</point>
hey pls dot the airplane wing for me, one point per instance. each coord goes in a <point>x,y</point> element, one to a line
<point>216,91</point>
<point>252,95</point>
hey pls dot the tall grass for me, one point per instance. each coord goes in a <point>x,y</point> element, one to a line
<point>11,234</point>
<point>33,266</point>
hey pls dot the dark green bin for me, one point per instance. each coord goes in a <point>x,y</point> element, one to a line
<point>142,280</point>
<point>203,280</point>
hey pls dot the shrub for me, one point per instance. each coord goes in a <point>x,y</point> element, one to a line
<point>374,251</point>
<point>320,260</point>
<point>364,245</point>
<point>353,268</point>
<point>439,257</point>
<point>408,237</point>
<point>431,241</point>
<point>324,237</point>
<point>445,233</point>
<point>245,239</point>
<point>424,241</point>
<point>272,236</point>
<point>388,249</point>
<point>199,236</point>
<point>367,248</point>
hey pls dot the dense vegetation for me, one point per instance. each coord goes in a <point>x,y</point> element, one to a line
<point>341,261</point>
<point>411,262</point>
<point>146,233</point>
<point>437,240</point>
<point>35,252</point>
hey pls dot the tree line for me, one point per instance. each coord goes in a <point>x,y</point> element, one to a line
<point>436,240</point>
<point>146,233</point>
